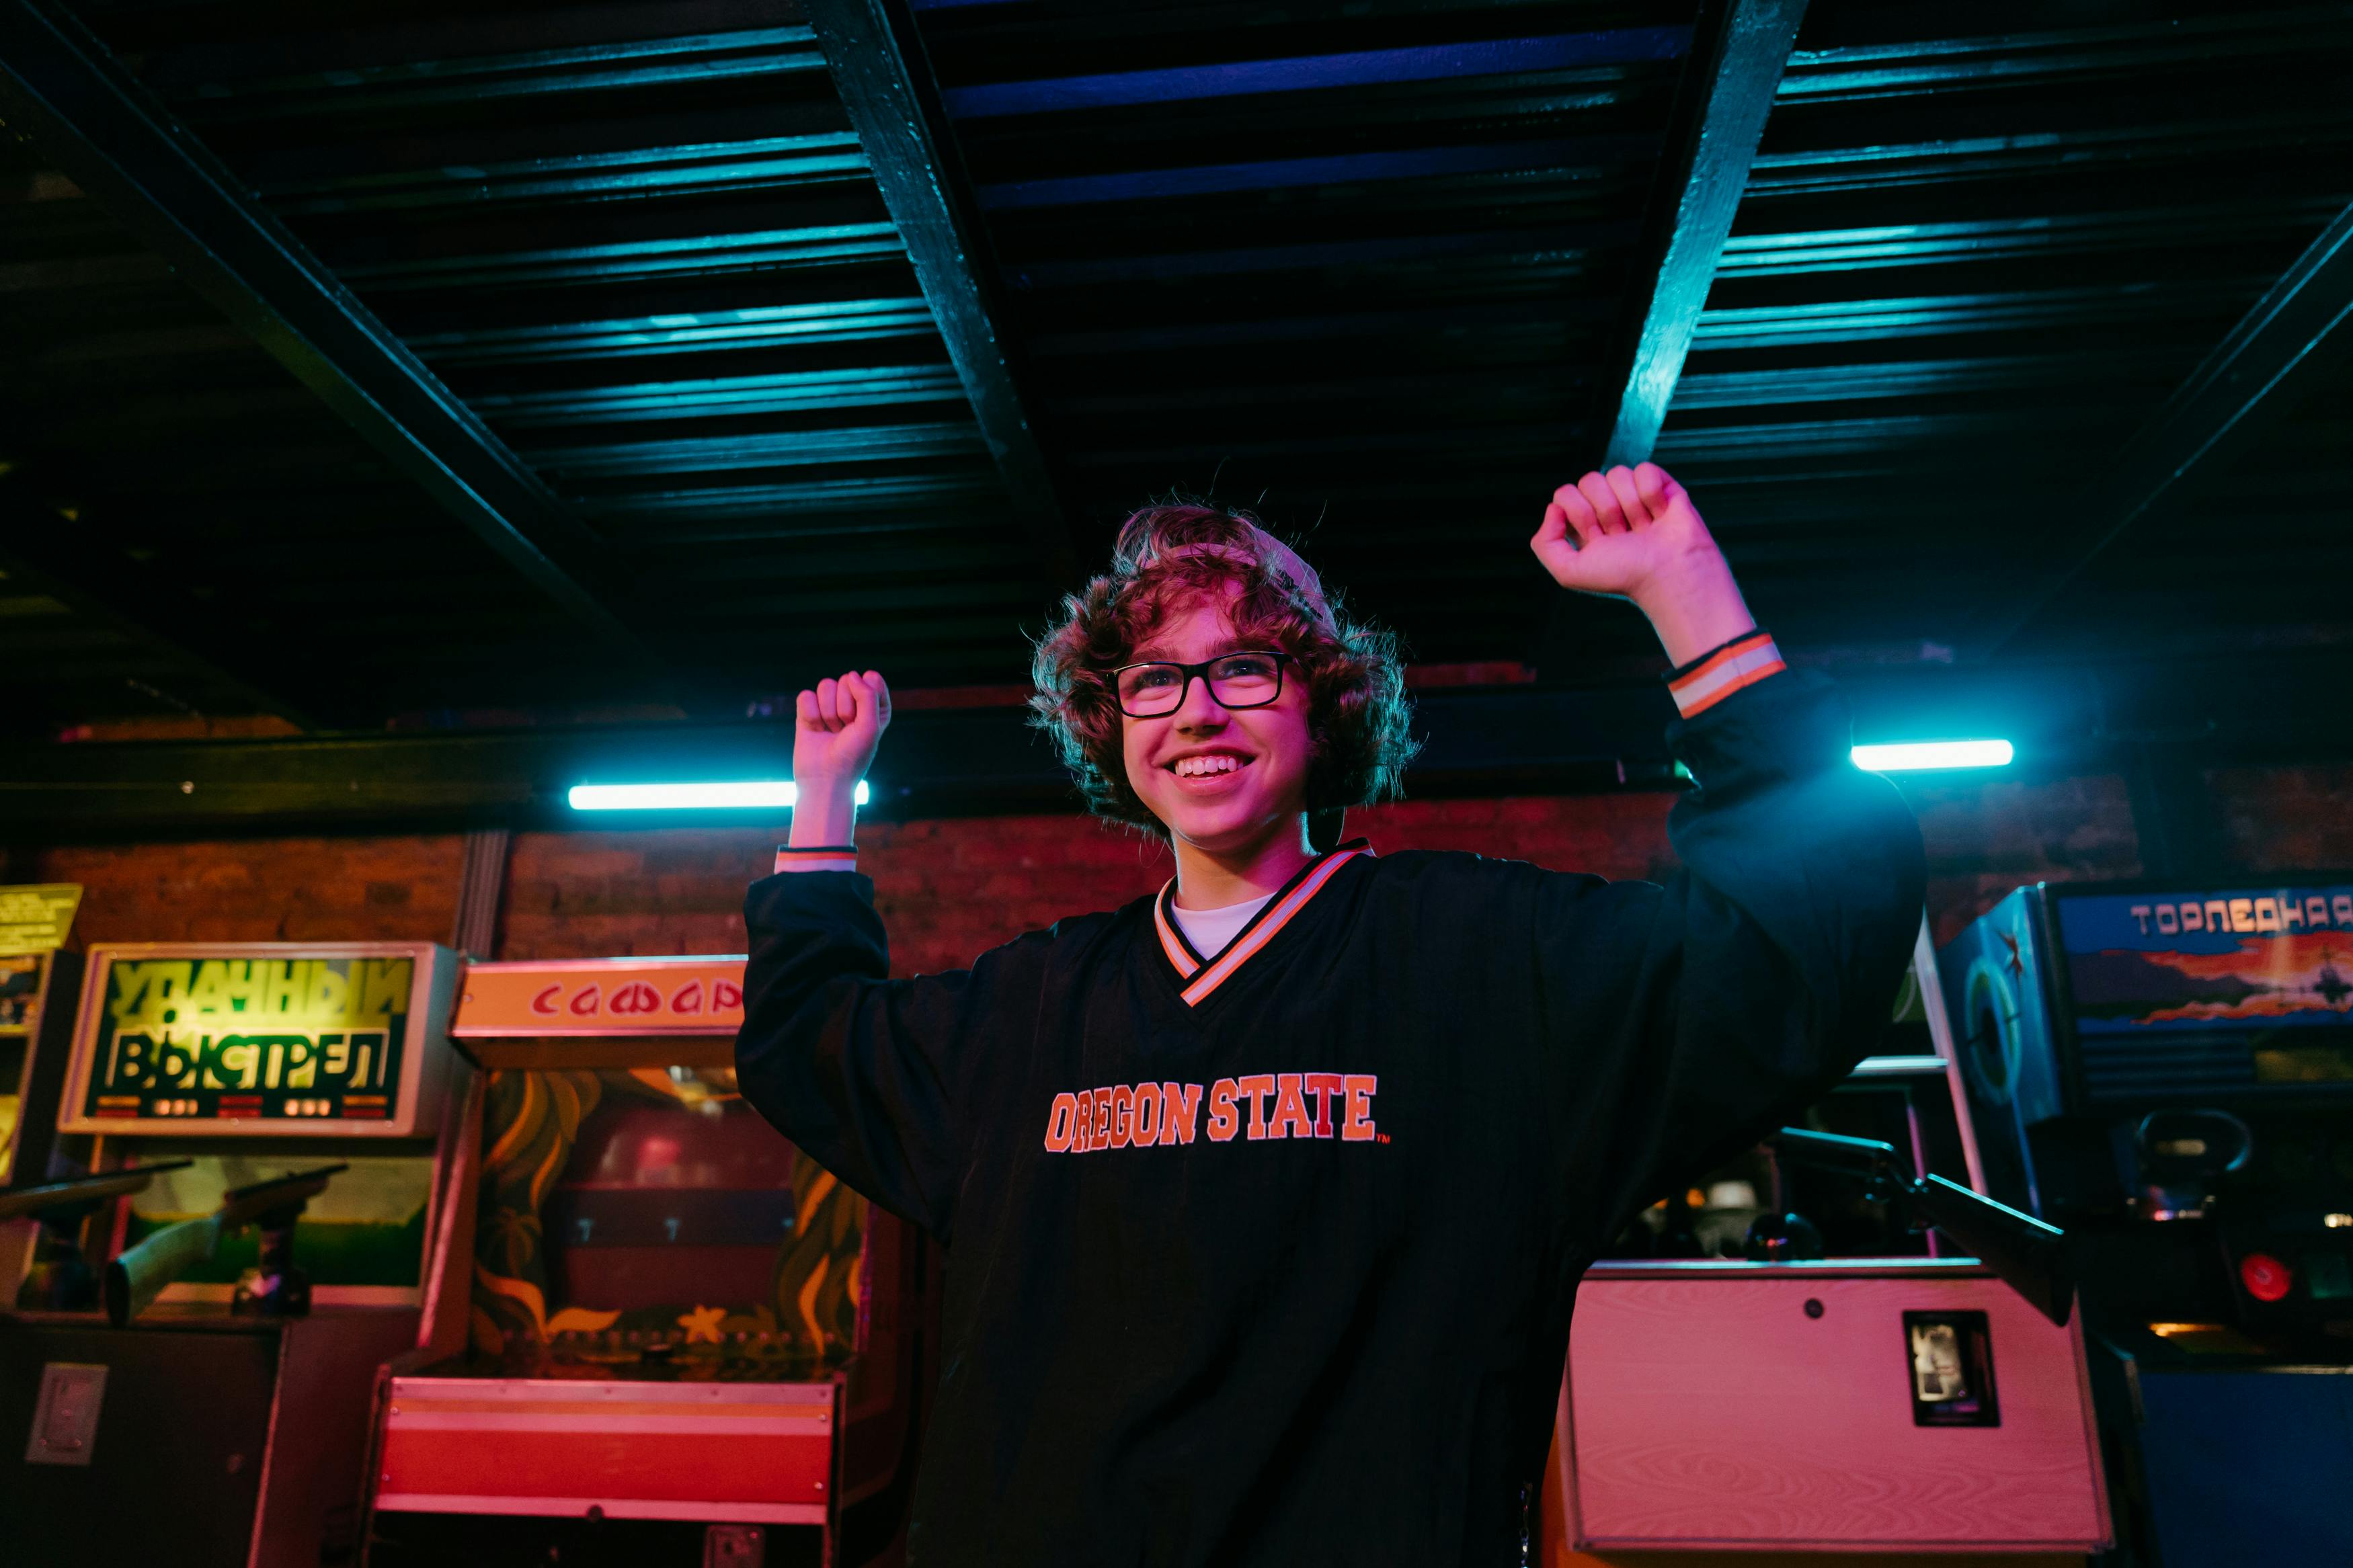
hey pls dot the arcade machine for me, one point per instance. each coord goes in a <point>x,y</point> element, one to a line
<point>36,996</point>
<point>37,985</point>
<point>1833,1344</point>
<point>251,1143</point>
<point>684,1341</point>
<point>2167,1071</point>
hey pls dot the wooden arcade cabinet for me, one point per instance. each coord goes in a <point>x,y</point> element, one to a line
<point>1873,1394</point>
<point>663,1333</point>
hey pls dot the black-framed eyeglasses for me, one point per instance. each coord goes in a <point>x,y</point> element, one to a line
<point>1153,689</point>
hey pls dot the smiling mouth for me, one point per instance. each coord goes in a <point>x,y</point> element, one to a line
<point>1208,767</point>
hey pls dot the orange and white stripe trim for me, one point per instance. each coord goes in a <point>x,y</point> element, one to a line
<point>1180,954</point>
<point>1203,980</point>
<point>826,858</point>
<point>1742,662</point>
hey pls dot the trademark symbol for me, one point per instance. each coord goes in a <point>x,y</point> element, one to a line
<point>1380,1137</point>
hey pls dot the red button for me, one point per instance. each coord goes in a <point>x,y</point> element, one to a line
<point>2265,1277</point>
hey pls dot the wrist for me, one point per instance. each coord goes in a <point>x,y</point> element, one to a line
<point>824,813</point>
<point>1695,607</point>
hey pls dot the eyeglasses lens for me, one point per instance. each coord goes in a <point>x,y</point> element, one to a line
<point>1245,680</point>
<point>1237,680</point>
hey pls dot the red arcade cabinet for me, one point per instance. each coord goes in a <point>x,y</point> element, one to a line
<point>663,1334</point>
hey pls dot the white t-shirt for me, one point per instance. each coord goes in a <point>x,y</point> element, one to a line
<point>1210,931</point>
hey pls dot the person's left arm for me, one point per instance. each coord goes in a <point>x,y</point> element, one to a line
<point>1687,1019</point>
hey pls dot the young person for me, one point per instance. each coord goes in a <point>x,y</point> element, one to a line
<point>1266,1198</point>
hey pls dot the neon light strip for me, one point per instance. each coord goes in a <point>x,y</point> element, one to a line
<point>1912,756</point>
<point>721,795</point>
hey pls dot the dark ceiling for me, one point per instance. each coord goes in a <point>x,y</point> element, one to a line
<point>410,359</point>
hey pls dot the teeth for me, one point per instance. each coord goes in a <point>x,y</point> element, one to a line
<point>1200,767</point>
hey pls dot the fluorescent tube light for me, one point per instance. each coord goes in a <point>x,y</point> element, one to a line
<point>1913,756</point>
<point>733,795</point>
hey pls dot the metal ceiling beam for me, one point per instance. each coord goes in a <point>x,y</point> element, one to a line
<point>1726,95</point>
<point>1740,47</point>
<point>85,113</point>
<point>884,76</point>
<point>2279,352</point>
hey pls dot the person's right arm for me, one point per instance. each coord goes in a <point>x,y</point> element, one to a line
<point>868,1075</point>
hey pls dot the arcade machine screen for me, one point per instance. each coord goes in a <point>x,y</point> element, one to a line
<point>362,1241</point>
<point>2245,991</point>
<point>20,990</point>
<point>37,995</point>
<point>645,1222</point>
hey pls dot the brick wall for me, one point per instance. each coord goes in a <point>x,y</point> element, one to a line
<point>595,895</point>
<point>949,888</point>
<point>1985,838</point>
<point>2286,818</point>
<point>402,889</point>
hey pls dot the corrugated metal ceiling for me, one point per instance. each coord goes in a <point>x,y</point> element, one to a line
<point>1371,268</point>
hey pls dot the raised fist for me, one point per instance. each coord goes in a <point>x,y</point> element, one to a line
<point>1622,532</point>
<point>836,727</point>
<point>1633,533</point>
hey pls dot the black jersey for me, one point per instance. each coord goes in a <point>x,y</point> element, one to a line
<point>1268,1257</point>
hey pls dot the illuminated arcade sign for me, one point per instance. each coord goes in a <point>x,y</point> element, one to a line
<point>601,997</point>
<point>266,1038</point>
<point>35,917</point>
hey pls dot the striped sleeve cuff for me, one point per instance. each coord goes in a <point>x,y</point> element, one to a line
<point>1714,676</point>
<point>823,858</point>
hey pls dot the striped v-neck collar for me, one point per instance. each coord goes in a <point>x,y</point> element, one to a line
<point>1199,976</point>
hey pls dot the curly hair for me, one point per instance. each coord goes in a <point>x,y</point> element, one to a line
<point>1357,709</point>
